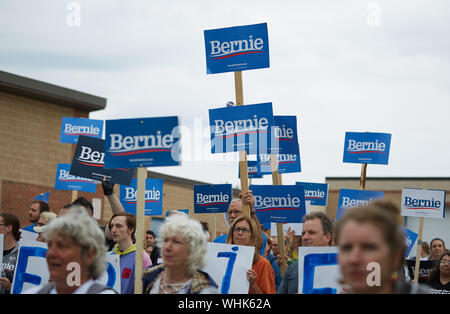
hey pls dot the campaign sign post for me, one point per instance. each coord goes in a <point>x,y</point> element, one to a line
<point>285,135</point>
<point>279,203</point>
<point>153,197</point>
<point>65,181</point>
<point>146,142</point>
<point>88,162</point>
<point>423,204</point>
<point>212,198</point>
<point>287,163</point>
<point>352,198</point>
<point>241,128</point>
<point>317,193</point>
<point>236,48</point>
<point>228,264</point>
<point>318,270</point>
<point>367,148</point>
<point>254,170</point>
<point>72,128</point>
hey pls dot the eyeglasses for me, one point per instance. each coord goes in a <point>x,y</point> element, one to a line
<point>443,261</point>
<point>3,224</point>
<point>243,230</point>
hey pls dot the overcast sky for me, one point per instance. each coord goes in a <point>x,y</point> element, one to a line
<point>378,66</point>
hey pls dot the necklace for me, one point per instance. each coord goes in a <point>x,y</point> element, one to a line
<point>166,287</point>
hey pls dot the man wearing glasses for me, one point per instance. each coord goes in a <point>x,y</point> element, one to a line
<point>235,211</point>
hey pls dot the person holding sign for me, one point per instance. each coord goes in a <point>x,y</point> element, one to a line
<point>9,227</point>
<point>440,277</point>
<point>371,245</point>
<point>235,211</point>
<point>183,252</point>
<point>245,231</point>
<point>76,255</point>
<point>317,231</point>
<point>123,227</point>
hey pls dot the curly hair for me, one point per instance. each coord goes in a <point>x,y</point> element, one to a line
<point>192,232</point>
<point>83,230</point>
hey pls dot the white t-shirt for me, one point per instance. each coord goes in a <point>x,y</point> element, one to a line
<point>83,289</point>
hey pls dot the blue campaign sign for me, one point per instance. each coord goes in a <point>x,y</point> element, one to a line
<point>279,203</point>
<point>212,198</point>
<point>285,135</point>
<point>410,239</point>
<point>237,48</point>
<point>254,170</point>
<point>88,162</point>
<point>43,196</point>
<point>352,198</point>
<point>287,163</point>
<point>66,181</point>
<point>367,148</point>
<point>146,142</point>
<point>241,128</point>
<point>153,197</point>
<point>72,128</point>
<point>317,193</point>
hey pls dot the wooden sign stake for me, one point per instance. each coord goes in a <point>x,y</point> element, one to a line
<point>242,154</point>
<point>140,228</point>
<point>362,181</point>
<point>418,248</point>
<point>74,195</point>
<point>276,180</point>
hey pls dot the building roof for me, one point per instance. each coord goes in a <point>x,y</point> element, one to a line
<point>42,91</point>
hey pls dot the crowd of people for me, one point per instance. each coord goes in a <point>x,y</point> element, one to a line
<point>364,235</point>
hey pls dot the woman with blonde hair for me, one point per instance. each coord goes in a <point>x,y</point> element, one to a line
<point>245,231</point>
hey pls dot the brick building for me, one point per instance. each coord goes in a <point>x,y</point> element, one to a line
<point>30,150</point>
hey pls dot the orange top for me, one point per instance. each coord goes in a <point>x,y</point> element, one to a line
<point>265,276</point>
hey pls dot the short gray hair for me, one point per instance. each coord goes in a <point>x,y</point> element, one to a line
<point>85,232</point>
<point>192,232</point>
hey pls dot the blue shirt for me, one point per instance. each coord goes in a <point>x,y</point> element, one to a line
<point>223,239</point>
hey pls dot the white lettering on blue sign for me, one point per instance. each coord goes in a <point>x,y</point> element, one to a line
<point>270,202</point>
<point>93,157</point>
<point>65,176</point>
<point>212,198</point>
<point>282,132</point>
<point>229,48</point>
<point>354,146</point>
<point>150,195</point>
<point>347,202</point>
<point>231,127</point>
<point>70,129</point>
<point>265,158</point>
<point>140,142</point>
<point>314,193</point>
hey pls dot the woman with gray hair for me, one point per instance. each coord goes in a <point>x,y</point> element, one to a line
<point>76,255</point>
<point>183,252</point>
